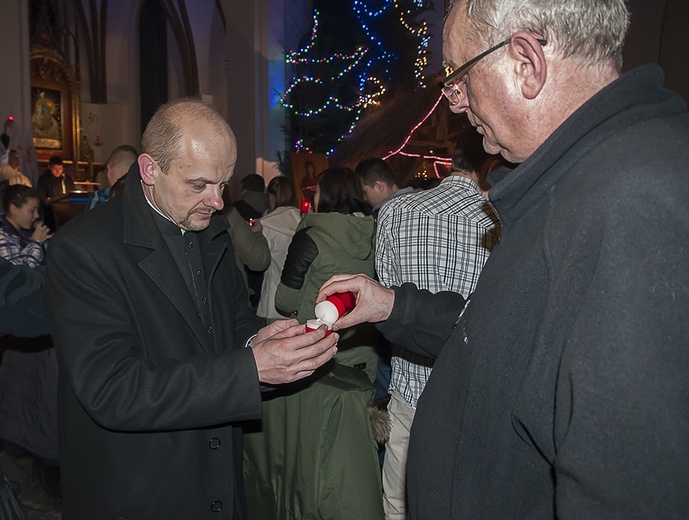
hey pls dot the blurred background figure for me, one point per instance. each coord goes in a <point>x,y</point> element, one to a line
<point>28,372</point>
<point>251,251</point>
<point>278,227</point>
<point>10,171</point>
<point>54,182</point>
<point>117,166</point>
<point>379,183</point>
<point>252,205</point>
<point>253,202</point>
<point>22,237</point>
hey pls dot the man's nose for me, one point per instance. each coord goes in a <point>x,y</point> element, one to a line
<point>214,200</point>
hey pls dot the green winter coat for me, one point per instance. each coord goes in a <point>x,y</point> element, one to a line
<point>326,244</point>
<point>344,244</point>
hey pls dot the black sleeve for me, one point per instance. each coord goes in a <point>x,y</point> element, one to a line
<point>22,301</point>
<point>5,140</point>
<point>420,320</point>
<point>300,255</point>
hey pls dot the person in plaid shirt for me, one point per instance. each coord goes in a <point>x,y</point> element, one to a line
<point>22,237</point>
<point>438,240</point>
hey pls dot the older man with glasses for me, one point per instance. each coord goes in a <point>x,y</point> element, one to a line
<point>560,385</point>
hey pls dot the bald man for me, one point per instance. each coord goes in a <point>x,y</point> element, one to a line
<point>162,361</point>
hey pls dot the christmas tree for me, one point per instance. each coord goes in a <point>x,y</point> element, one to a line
<point>357,55</point>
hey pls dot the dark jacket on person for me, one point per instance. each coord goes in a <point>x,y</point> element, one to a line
<point>22,300</point>
<point>49,187</point>
<point>150,397</point>
<point>561,390</point>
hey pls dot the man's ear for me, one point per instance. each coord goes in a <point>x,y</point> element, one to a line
<point>147,167</point>
<point>531,66</point>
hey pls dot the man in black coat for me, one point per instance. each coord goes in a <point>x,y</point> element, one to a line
<point>159,364</point>
<point>560,386</point>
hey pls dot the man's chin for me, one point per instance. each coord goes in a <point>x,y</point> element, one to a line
<point>197,223</point>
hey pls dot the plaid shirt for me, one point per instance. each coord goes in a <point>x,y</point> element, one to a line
<point>18,249</point>
<point>438,240</point>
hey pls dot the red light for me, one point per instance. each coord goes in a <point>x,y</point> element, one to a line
<point>305,206</point>
<point>11,118</point>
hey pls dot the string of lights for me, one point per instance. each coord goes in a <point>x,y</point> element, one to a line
<point>337,88</point>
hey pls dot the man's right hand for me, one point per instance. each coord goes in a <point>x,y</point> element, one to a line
<point>374,302</point>
<point>284,353</point>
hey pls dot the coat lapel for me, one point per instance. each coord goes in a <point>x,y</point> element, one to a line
<point>140,230</point>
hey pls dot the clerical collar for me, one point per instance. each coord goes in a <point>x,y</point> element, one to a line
<point>183,231</point>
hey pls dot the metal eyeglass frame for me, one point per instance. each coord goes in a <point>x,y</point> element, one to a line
<point>448,86</point>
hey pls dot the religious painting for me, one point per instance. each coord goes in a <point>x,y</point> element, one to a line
<point>46,118</point>
<point>305,167</point>
<point>54,130</point>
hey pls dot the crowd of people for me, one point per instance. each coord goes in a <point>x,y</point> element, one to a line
<point>518,344</point>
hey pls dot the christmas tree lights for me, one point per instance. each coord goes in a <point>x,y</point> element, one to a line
<point>357,54</point>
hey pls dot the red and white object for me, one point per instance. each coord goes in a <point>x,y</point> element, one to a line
<point>329,311</point>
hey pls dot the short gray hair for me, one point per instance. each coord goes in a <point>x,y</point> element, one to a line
<point>591,30</point>
<point>165,129</point>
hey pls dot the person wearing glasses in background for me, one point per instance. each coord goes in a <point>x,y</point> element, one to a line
<point>560,386</point>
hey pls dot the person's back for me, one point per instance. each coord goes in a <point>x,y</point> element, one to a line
<point>336,238</point>
<point>117,165</point>
<point>439,240</point>
<point>278,227</point>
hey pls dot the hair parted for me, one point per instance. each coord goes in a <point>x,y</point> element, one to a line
<point>283,190</point>
<point>340,192</point>
<point>375,169</point>
<point>17,195</point>
<point>165,129</point>
<point>591,30</point>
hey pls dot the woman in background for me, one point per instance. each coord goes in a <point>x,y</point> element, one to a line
<point>278,227</point>
<point>337,238</point>
<point>315,450</point>
<point>29,369</point>
<point>22,237</point>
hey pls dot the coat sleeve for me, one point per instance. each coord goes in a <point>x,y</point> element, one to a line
<point>22,301</point>
<point>252,248</point>
<point>139,372</point>
<point>300,256</point>
<point>621,427</point>
<point>420,320</point>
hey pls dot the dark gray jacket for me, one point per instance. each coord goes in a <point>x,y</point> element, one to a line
<point>562,390</point>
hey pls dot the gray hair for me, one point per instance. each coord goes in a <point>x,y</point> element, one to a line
<point>590,30</point>
<point>165,129</point>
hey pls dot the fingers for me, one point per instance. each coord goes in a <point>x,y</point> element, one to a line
<point>284,360</point>
<point>274,328</point>
<point>341,283</point>
<point>314,356</point>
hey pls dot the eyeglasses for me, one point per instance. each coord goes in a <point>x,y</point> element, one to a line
<point>449,84</point>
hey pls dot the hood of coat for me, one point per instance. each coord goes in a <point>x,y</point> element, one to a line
<point>353,234</point>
